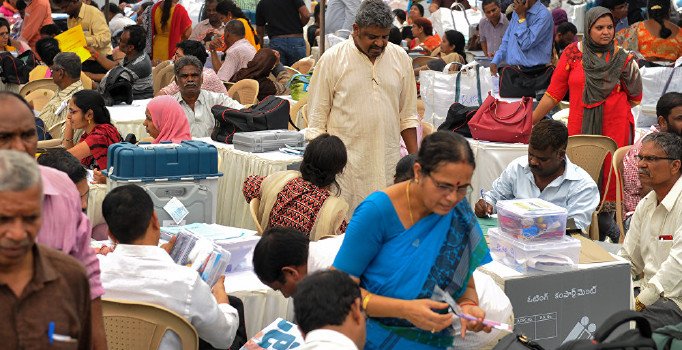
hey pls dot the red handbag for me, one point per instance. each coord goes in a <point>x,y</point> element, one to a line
<point>501,121</point>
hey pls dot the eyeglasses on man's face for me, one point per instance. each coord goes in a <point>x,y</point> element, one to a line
<point>651,159</point>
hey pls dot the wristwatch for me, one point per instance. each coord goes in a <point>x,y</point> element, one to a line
<point>639,306</point>
<point>521,20</point>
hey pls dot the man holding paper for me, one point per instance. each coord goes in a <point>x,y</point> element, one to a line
<point>134,226</point>
<point>94,27</point>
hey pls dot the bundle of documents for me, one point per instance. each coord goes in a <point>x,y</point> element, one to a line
<point>201,254</point>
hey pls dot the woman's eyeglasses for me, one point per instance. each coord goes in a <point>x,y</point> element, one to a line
<point>447,189</point>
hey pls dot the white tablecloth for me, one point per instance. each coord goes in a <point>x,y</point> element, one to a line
<point>128,119</point>
<point>236,166</point>
<point>262,305</point>
<point>491,159</point>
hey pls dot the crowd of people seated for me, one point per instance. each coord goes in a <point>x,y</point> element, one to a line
<point>359,237</point>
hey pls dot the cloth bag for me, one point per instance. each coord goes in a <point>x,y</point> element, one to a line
<point>458,119</point>
<point>271,113</point>
<point>656,81</point>
<point>460,20</point>
<point>524,82</point>
<point>501,121</point>
<point>440,90</point>
<point>517,342</point>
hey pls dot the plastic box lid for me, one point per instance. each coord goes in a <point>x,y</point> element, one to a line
<point>145,162</point>
<point>531,207</point>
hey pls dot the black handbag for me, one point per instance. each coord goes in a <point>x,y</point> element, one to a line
<point>269,114</point>
<point>519,82</point>
<point>634,339</point>
<point>458,118</point>
<point>517,342</point>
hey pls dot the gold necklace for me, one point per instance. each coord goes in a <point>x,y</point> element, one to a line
<point>409,204</point>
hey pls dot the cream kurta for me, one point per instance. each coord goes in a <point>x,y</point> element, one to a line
<point>367,106</point>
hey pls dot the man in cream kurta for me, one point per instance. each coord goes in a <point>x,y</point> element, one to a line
<point>363,91</point>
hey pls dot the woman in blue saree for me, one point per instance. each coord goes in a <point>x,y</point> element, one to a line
<point>404,241</point>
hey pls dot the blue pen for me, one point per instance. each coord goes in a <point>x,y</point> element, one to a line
<point>50,332</point>
<point>482,192</point>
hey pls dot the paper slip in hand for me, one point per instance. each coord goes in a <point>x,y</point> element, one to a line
<point>73,40</point>
<point>176,210</point>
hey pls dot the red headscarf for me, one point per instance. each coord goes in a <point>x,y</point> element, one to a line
<point>170,119</point>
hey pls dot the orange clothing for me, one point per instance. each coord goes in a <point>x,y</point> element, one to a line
<point>637,38</point>
<point>38,14</point>
<point>430,44</point>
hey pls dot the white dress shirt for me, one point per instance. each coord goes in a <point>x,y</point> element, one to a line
<point>651,252</point>
<point>119,22</point>
<point>574,189</point>
<point>327,339</point>
<point>321,254</point>
<point>148,274</point>
<point>201,121</point>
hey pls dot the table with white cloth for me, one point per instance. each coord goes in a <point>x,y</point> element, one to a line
<point>233,210</point>
<point>491,160</point>
<point>262,305</point>
<point>128,119</point>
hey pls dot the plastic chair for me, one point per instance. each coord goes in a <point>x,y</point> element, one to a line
<point>158,67</point>
<point>294,113</point>
<point>617,163</point>
<point>244,91</point>
<point>421,61</point>
<point>31,86</point>
<point>39,98</point>
<point>427,129</point>
<point>589,153</point>
<point>164,76</point>
<point>133,325</point>
<point>304,65</point>
<point>253,209</point>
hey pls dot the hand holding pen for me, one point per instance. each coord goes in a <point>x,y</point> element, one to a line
<point>488,324</point>
<point>482,208</point>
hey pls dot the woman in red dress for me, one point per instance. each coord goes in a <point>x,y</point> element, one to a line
<point>603,82</point>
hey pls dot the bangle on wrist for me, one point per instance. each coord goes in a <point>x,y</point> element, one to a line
<point>639,306</point>
<point>365,301</point>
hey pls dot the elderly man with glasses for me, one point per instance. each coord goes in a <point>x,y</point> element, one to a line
<point>653,244</point>
<point>548,174</point>
<point>66,73</point>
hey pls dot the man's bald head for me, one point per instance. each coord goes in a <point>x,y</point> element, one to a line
<point>17,125</point>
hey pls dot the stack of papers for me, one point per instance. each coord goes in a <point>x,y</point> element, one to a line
<point>211,232</point>
<point>201,254</point>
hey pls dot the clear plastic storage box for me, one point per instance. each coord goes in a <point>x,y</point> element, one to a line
<point>547,255</point>
<point>531,219</point>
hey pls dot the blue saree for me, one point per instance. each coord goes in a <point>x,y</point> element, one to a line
<point>441,250</point>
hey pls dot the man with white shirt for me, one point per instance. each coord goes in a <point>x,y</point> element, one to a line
<point>329,312</point>
<point>653,244</point>
<point>548,174</point>
<point>138,269</point>
<point>284,256</point>
<point>117,19</point>
<point>196,102</point>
